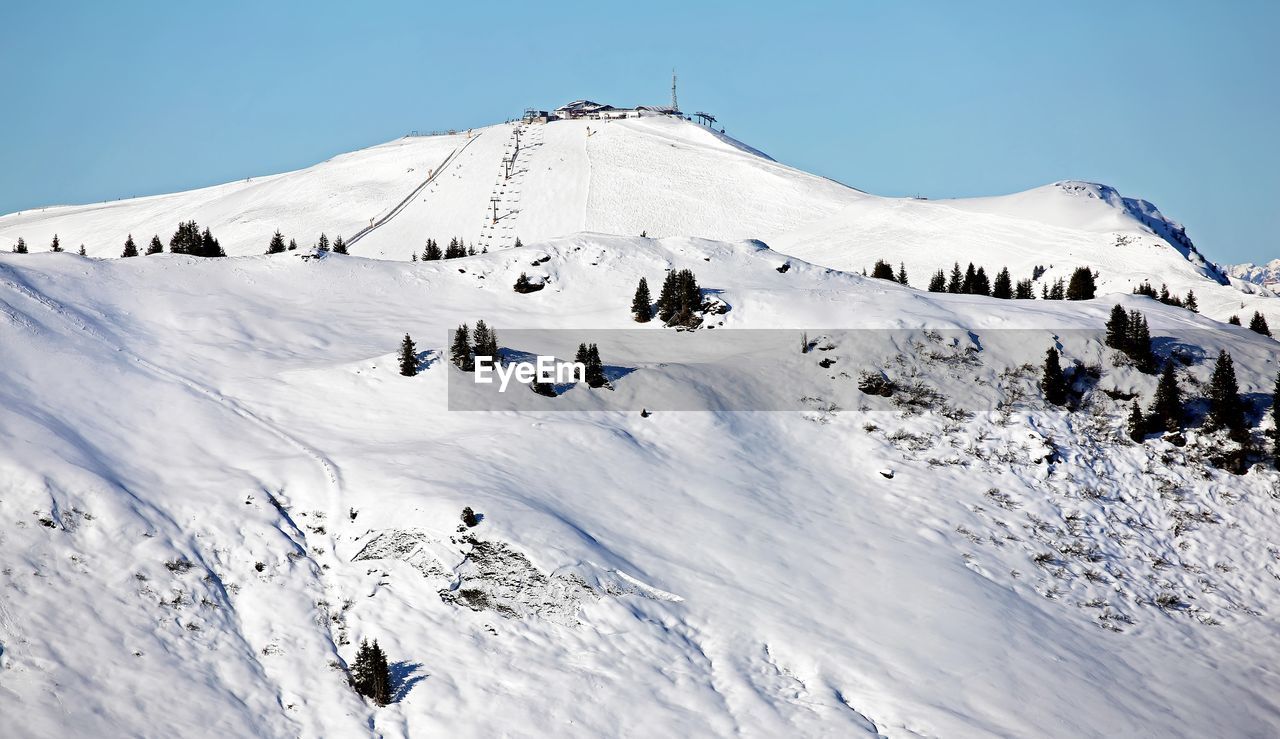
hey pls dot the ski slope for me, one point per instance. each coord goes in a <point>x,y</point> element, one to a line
<point>661,177</point>
<point>215,484</point>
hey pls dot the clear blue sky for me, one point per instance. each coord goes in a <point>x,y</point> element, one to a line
<point>1174,101</point>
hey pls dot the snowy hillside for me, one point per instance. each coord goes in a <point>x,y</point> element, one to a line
<point>661,177</point>
<point>215,483</point>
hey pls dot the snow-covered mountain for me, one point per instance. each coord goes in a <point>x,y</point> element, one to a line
<point>215,483</point>
<point>1267,275</point>
<point>659,176</point>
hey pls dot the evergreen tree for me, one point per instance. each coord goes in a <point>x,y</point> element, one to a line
<point>339,246</point>
<point>1118,329</point>
<point>956,284</point>
<point>1226,410</point>
<point>1258,324</point>
<point>641,310</point>
<point>1145,289</point>
<point>981,283</point>
<point>1053,383</point>
<point>1164,294</point>
<point>1190,303</point>
<point>277,243</point>
<point>293,245</point>
<point>938,283</point>
<point>56,246</point>
<point>1082,286</point>
<point>432,251</point>
<point>471,250</point>
<point>1166,410</point>
<point>371,675</point>
<point>322,245</point>
<point>595,368</point>
<point>186,240</point>
<point>155,247</point>
<point>1275,423</point>
<point>680,298</point>
<point>82,252</point>
<point>970,275</point>
<point>408,357</point>
<point>882,270</point>
<point>1139,344</point>
<point>20,247</point>
<point>455,249</point>
<point>1003,288</point>
<point>518,243</point>
<point>1234,320</point>
<point>1026,290</point>
<point>485,341</point>
<point>902,274</point>
<point>460,351</point>
<point>1136,425</point>
<point>1058,291</point>
<point>209,246</point>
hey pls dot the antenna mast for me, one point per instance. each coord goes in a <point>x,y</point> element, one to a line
<point>674,106</point>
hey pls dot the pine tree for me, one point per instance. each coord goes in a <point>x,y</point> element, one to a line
<point>956,284</point>
<point>1226,410</point>
<point>432,251</point>
<point>339,246</point>
<point>1003,288</point>
<point>1082,286</point>
<point>322,245</point>
<point>882,270</point>
<point>371,675</point>
<point>902,274</point>
<point>408,357</point>
<point>155,247</point>
<point>1164,294</point>
<point>209,246</point>
<point>1026,290</point>
<point>56,246</point>
<point>1139,344</point>
<point>130,248</point>
<point>186,240</point>
<point>981,283</point>
<point>1258,324</point>
<point>641,310</point>
<point>1166,409</point>
<point>1234,320</point>
<point>82,252</point>
<point>970,275</point>
<point>518,243</point>
<point>1190,303</point>
<point>277,243</point>
<point>595,368</point>
<point>455,249</point>
<point>460,351</point>
<point>1275,423</point>
<point>680,299</point>
<point>1118,329</point>
<point>1058,291</point>
<point>1053,383</point>
<point>20,247</point>
<point>1137,424</point>
<point>293,245</point>
<point>485,341</point>
<point>938,283</point>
